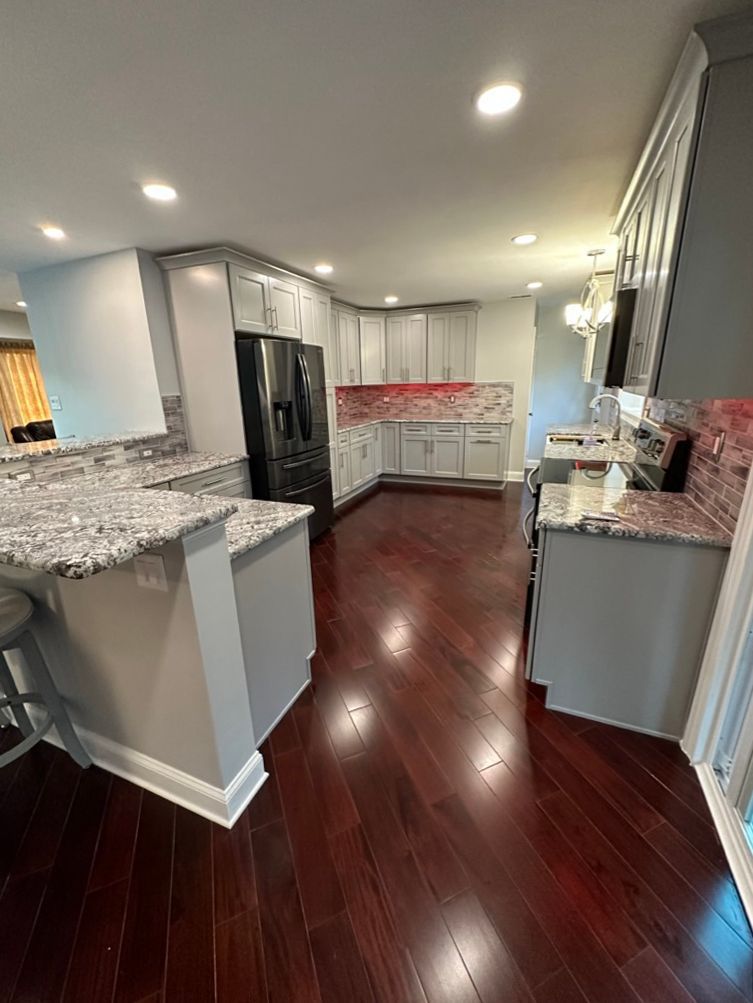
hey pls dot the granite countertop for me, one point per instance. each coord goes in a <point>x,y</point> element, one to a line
<point>147,473</point>
<point>452,420</point>
<point>52,447</point>
<point>63,531</point>
<point>644,515</point>
<point>613,451</point>
<point>257,521</point>
<point>585,428</point>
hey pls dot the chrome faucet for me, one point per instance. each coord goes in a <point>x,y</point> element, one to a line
<point>598,399</point>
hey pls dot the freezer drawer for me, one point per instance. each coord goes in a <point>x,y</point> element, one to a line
<point>316,491</point>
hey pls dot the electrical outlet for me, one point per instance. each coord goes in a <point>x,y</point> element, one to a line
<point>146,453</point>
<point>23,477</point>
<point>55,404</point>
<point>339,400</point>
<point>385,400</point>
<point>452,398</point>
<point>150,572</point>
<point>716,450</point>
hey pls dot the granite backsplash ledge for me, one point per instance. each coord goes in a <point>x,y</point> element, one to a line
<point>472,402</point>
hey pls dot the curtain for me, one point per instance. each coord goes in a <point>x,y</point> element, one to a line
<point>22,394</point>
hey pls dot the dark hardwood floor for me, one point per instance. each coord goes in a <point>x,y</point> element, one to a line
<point>429,832</point>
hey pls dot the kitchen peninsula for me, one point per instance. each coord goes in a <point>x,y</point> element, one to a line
<point>161,614</point>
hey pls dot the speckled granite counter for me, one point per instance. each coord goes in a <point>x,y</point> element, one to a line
<point>74,534</point>
<point>452,420</point>
<point>644,515</point>
<point>586,428</point>
<point>257,521</point>
<point>51,447</point>
<point>147,473</point>
<point>614,451</point>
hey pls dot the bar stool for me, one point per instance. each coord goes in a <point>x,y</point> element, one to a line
<point>16,633</point>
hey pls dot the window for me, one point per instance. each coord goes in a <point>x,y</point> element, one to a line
<point>22,393</point>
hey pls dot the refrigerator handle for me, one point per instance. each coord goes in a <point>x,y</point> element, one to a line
<point>304,395</point>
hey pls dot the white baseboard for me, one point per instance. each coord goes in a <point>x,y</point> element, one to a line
<point>729,827</point>
<point>457,482</point>
<point>218,805</point>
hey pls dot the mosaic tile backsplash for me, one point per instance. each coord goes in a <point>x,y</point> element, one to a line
<point>716,486</point>
<point>427,401</point>
<point>56,468</point>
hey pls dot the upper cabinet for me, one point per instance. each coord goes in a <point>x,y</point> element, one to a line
<point>349,348</point>
<point>372,345</point>
<point>451,350</point>
<point>686,243</point>
<point>316,329</point>
<point>264,305</point>
<point>406,348</point>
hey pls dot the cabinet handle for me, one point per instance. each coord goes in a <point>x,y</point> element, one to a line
<point>383,380</point>
<point>268,310</point>
<point>483,442</point>
<point>211,484</point>
<point>277,325</point>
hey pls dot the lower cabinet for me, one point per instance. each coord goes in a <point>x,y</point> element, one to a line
<point>390,434</point>
<point>446,456</point>
<point>486,456</point>
<point>378,461</point>
<point>343,470</point>
<point>334,471</point>
<point>415,458</point>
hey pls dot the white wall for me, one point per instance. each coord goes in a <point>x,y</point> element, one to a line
<point>14,325</point>
<point>559,393</point>
<point>155,298</point>
<point>504,351</point>
<point>89,324</point>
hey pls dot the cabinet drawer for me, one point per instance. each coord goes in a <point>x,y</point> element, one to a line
<point>446,428</point>
<point>486,431</point>
<point>212,481</point>
<point>362,434</point>
<point>415,428</point>
<point>343,438</point>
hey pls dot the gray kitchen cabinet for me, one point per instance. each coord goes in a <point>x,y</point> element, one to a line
<point>344,481</point>
<point>446,456</point>
<point>597,642</point>
<point>390,433</point>
<point>372,349</point>
<point>415,446</point>
<point>349,348</point>
<point>451,351</point>
<point>486,451</point>
<point>334,470</point>
<point>406,345</point>
<point>378,455</point>
<point>233,480</point>
<point>437,339</point>
<point>249,293</point>
<point>316,329</point>
<point>284,308</point>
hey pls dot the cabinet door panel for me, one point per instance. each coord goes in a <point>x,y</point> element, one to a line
<point>249,292</point>
<point>356,465</point>
<point>485,459</point>
<point>334,471</point>
<point>394,349</point>
<point>368,460</point>
<point>283,299</point>
<point>322,334</point>
<point>390,447</point>
<point>350,363</point>
<point>334,344</point>
<point>414,350</point>
<point>343,470</point>
<point>378,451</point>
<point>332,415</point>
<point>461,346</point>
<point>447,456</point>
<point>437,339</point>
<point>372,350</point>
<point>414,458</point>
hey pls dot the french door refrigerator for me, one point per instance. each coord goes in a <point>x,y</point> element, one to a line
<point>285,420</point>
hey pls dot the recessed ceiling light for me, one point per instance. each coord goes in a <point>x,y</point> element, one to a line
<point>21,303</point>
<point>525,238</point>
<point>534,285</point>
<point>323,268</point>
<point>390,299</point>
<point>53,232</point>
<point>160,193</point>
<point>498,98</point>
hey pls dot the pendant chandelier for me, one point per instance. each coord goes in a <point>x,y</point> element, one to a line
<point>593,312</point>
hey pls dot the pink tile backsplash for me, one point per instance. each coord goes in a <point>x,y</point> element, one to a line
<point>716,486</point>
<point>426,401</point>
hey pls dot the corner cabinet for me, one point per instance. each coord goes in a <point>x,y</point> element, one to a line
<point>686,243</point>
<point>406,348</point>
<point>390,435</point>
<point>451,347</point>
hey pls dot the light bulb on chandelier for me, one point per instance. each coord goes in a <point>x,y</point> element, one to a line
<point>593,312</point>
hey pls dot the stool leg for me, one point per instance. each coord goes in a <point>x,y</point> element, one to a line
<point>8,686</point>
<point>43,682</point>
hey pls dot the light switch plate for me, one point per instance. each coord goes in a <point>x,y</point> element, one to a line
<point>150,572</point>
<point>55,404</point>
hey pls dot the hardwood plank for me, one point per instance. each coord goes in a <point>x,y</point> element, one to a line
<point>190,954</point>
<point>266,806</point>
<point>559,988</point>
<point>339,967</point>
<point>386,962</point>
<point>653,981</point>
<point>234,880</point>
<point>114,856</point>
<point>20,802</point>
<point>287,953</point>
<point>144,946</point>
<point>335,714</point>
<point>43,972</point>
<point>240,960</point>
<point>284,736</point>
<point>45,829</point>
<point>94,963</point>
<point>335,803</point>
<point>19,907</point>
<point>488,961</point>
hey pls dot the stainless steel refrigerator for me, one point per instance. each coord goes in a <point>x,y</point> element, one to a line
<point>285,419</point>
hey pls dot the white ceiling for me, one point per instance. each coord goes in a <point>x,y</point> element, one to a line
<point>340,130</point>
